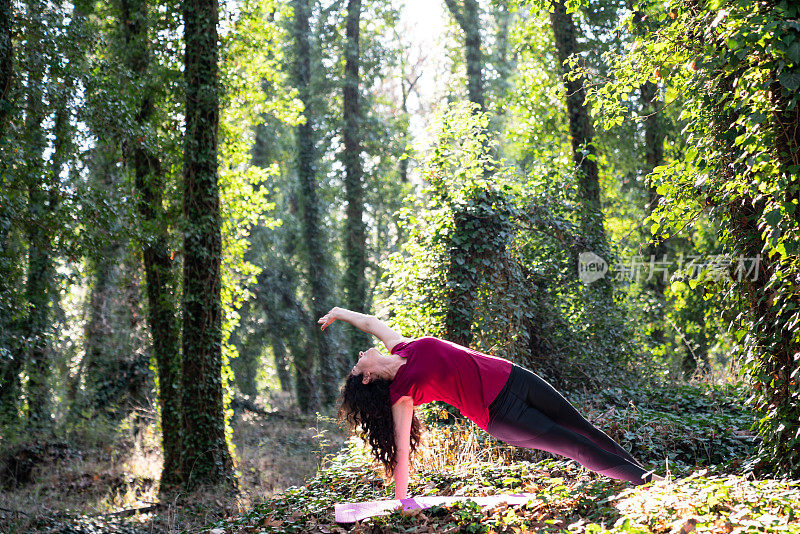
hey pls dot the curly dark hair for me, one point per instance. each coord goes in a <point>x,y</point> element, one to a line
<point>367,410</point>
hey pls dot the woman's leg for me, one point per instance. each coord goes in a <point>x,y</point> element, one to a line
<point>518,423</point>
<point>544,397</point>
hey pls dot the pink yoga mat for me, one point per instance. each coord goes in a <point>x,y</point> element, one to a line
<point>356,511</point>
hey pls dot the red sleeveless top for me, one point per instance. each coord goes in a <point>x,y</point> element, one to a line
<point>441,370</point>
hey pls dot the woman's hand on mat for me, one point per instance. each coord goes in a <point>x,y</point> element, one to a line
<point>328,318</point>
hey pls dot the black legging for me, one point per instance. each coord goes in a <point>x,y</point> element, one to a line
<point>529,412</point>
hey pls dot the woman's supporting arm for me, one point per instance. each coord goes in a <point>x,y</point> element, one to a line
<point>402,413</point>
<point>366,323</point>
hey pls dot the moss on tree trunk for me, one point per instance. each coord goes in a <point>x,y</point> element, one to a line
<point>205,457</point>
<point>355,249</point>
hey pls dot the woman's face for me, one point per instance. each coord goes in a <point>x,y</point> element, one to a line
<point>368,363</point>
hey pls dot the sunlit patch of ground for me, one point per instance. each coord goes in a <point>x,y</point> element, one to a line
<point>567,498</point>
<point>718,503</point>
<point>93,489</point>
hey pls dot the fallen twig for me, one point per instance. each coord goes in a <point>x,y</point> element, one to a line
<point>129,512</point>
<point>14,511</point>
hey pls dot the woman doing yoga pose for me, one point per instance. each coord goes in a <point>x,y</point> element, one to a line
<point>508,401</point>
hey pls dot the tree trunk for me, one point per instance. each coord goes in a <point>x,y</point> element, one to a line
<point>249,345</point>
<point>502,63</point>
<point>771,300</point>
<point>37,287</point>
<point>462,279</point>
<point>467,16</point>
<point>408,82</point>
<point>100,361</point>
<point>580,127</point>
<point>654,156</point>
<point>462,274</point>
<point>319,347</point>
<point>38,293</point>
<point>355,282</point>
<point>205,456</point>
<point>12,358</point>
<point>404,160</point>
<point>6,62</point>
<point>159,274</point>
<point>282,363</point>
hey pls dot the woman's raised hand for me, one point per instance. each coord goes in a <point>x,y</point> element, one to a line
<point>328,318</point>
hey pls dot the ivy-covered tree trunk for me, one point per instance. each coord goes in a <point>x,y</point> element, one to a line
<point>305,163</point>
<point>355,282</point>
<point>580,126</point>
<point>162,317</point>
<point>462,272</point>
<point>99,359</point>
<point>481,228</point>
<point>774,366</point>
<point>11,316</point>
<point>653,157</point>
<point>6,62</point>
<point>10,386</point>
<point>318,370</point>
<point>462,278</point>
<point>467,15</point>
<point>37,286</point>
<point>205,456</point>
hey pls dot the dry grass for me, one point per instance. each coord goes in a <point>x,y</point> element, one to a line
<point>463,444</point>
<point>271,454</point>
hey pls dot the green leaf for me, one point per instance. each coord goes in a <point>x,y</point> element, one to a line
<point>773,217</point>
<point>790,79</point>
<point>793,52</point>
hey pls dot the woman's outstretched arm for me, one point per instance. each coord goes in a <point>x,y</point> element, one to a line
<point>366,323</point>
<point>402,413</point>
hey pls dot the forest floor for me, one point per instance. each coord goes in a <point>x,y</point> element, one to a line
<point>91,483</point>
<point>294,469</point>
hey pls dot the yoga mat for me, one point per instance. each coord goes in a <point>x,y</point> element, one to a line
<point>356,511</point>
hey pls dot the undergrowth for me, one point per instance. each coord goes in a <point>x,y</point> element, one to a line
<point>697,436</point>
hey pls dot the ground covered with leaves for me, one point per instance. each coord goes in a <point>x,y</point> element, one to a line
<point>695,435</point>
<point>103,480</point>
<point>294,470</point>
<point>566,498</point>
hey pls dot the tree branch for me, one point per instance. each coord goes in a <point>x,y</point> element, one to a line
<point>457,13</point>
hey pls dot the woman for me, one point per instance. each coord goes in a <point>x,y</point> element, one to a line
<point>508,401</point>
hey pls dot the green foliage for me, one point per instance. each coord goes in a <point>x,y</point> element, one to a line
<point>416,289</point>
<point>277,325</point>
<point>490,261</point>
<point>684,426</point>
<point>251,59</point>
<point>737,85</point>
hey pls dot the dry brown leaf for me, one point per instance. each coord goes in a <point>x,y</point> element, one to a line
<point>682,526</point>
